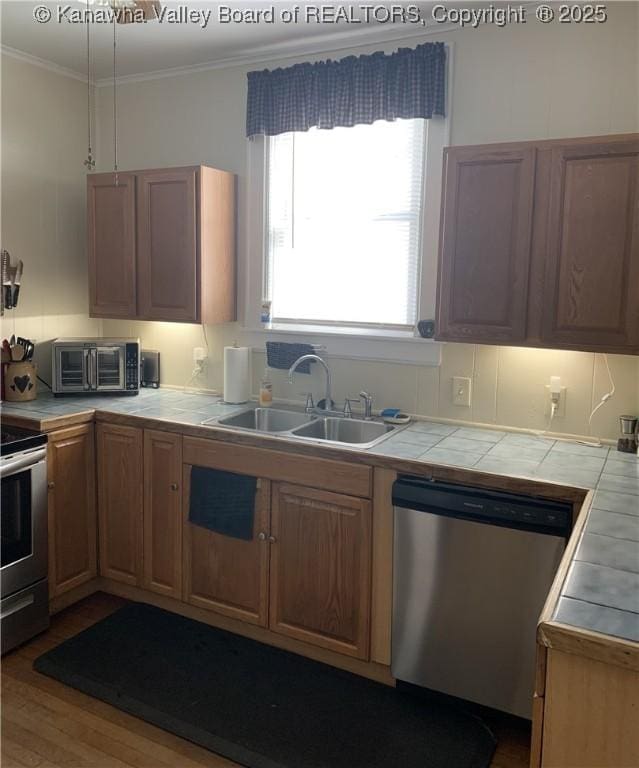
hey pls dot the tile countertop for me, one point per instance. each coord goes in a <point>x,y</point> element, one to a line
<point>601,590</point>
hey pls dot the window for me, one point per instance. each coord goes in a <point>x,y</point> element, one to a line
<point>343,226</point>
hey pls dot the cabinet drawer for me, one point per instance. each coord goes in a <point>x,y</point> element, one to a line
<point>329,475</point>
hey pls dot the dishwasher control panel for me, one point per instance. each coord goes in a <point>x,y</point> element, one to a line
<point>483,505</point>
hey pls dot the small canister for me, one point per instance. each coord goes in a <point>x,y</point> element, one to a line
<point>21,382</point>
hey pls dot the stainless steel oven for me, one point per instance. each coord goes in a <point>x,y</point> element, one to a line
<point>92,366</point>
<point>24,609</point>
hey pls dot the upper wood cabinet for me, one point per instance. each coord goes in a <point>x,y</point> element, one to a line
<point>320,568</point>
<point>539,244</point>
<point>163,513</point>
<point>167,250</point>
<point>120,502</point>
<point>72,513</point>
<point>162,245</point>
<point>591,282</point>
<point>111,245</point>
<point>486,234</point>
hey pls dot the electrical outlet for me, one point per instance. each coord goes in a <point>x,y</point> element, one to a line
<point>461,391</point>
<point>560,413</point>
<point>199,354</point>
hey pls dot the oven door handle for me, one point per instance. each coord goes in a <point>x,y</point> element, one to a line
<point>23,462</point>
<point>93,368</point>
<point>25,602</point>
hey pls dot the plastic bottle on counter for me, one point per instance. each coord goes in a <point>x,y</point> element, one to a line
<point>266,390</point>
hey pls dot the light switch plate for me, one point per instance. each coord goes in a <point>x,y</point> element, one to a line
<point>461,391</point>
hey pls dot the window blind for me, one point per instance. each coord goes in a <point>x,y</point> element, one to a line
<point>344,215</point>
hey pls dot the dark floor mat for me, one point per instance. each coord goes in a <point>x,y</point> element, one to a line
<point>257,705</point>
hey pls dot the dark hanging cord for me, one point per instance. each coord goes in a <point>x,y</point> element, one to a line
<point>89,162</point>
<point>115,111</point>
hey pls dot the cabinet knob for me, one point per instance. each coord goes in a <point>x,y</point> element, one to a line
<point>50,484</point>
<point>261,536</point>
<point>174,486</point>
<point>272,539</point>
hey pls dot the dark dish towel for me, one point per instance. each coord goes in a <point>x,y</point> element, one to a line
<point>223,502</point>
<point>281,355</point>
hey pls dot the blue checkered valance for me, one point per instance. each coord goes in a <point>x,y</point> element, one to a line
<point>358,89</point>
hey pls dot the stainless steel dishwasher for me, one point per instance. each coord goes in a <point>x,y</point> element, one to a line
<point>471,571</point>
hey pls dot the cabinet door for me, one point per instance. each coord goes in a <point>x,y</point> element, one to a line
<point>111,245</point>
<point>320,568</point>
<point>163,513</point>
<point>591,290</point>
<point>226,574</point>
<point>484,260</point>
<point>120,502</point>
<point>167,245</point>
<point>72,513</point>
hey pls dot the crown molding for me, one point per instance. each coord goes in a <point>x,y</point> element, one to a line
<point>289,50</point>
<point>293,49</point>
<point>50,66</point>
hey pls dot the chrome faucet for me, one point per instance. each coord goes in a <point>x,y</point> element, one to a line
<point>368,404</point>
<point>328,400</point>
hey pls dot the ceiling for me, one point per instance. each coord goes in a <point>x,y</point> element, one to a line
<point>144,48</point>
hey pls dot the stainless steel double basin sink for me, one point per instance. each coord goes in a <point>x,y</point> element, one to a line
<point>311,427</point>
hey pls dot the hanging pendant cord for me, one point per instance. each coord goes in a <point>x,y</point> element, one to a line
<point>89,162</point>
<point>115,109</point>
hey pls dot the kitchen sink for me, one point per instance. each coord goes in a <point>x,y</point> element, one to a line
<point>264,420</point>
<point>338,430</point>
<point>305,426</point>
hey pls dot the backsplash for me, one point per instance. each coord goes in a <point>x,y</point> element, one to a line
<point>507,382</point>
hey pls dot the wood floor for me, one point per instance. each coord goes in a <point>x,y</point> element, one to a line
<point>46,724</point>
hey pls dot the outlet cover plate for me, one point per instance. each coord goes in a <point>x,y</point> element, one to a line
<point>561,410</point>
<point>461,391</point>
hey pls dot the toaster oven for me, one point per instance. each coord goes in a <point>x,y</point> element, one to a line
<point>92,366</point>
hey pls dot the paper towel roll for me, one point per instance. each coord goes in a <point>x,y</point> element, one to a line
<point>236,374</point>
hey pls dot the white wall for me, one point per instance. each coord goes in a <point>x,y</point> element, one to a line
<point>523,82</point>
<point>43,203</point>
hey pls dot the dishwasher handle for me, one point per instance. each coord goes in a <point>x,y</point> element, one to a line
<point>479,505</point>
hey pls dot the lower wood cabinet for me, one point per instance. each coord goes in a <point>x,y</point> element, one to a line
<point>72,512</point>
<point>321,568</point>
<point>306,572</point>
<point>226,574</point>
<point>162,549</point>
<point>120,502</point>
<point>590,713</point>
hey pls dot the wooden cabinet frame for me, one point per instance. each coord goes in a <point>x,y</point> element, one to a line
<point>173,259</point>
<point>563,292</point>
<point>162,526</point>
<point>287,573</point>
<point>111,238</point>
<point>120,491</point>
<point>623,335</point>
<point>467,316</point>
<point>72,509</point>
<point>223,571</point>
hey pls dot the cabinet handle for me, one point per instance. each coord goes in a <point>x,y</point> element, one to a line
<point>50,485</point>
<point>174,486</point>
